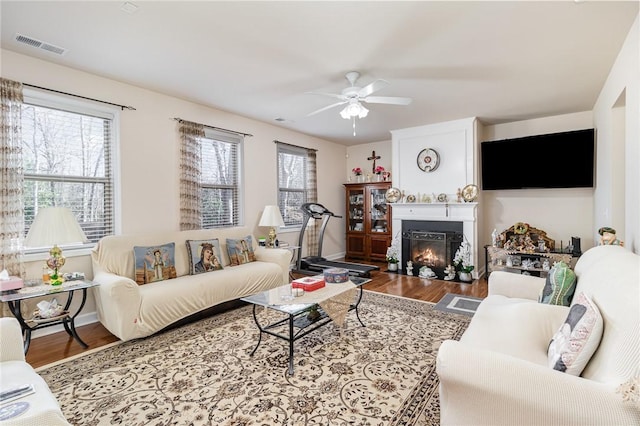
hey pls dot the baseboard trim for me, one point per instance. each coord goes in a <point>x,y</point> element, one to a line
<point>84,319</point>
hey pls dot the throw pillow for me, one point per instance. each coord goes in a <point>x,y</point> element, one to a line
<point>155,263</point>
<point>240,251</point>
<point>560,285</point>
<point>204,256</point>
<point>578,338</point>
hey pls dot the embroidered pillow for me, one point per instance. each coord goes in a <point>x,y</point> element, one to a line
<point>204,256</point>
<point>240,251</point>
<point>155,263</point>
<point>560,285</point>
<point>578,338</point>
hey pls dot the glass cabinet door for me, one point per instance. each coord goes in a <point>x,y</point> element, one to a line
<point>378,210</point>
<point>355,212</point>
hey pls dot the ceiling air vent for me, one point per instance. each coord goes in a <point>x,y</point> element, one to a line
<point>30,41</point>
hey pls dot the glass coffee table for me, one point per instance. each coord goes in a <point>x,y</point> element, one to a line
<point>298,322</point>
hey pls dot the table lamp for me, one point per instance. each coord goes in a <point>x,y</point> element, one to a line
<point>53,226</point>
<point>271,217</point>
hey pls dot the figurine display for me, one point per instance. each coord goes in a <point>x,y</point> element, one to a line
<point>495,238</point>
<point>426,272</point>
<point>450,272</point>
<point>409,268</point>
<point>608,237</point>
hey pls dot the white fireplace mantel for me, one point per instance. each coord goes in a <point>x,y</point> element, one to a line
<point>449,212</point>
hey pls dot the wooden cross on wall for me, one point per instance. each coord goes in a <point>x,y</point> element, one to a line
<point>373,157</point>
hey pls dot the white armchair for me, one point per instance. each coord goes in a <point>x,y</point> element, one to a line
<point>497,373</point>
<point>15,371</point>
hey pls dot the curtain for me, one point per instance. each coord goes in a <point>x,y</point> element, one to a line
<point>11,173</point>
<point>11,179</point>
<point>190,175</point>
<point>312,197</point>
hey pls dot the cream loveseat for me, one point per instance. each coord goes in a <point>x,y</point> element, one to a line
<point>130,311</point>
<point>15,371</point>
<point>497,373</point>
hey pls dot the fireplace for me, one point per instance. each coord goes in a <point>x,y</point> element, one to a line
<point>430,243</point>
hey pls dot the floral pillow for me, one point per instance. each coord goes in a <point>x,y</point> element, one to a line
<point>204,256</point>
<point>578,338</point>
<point>155,263</point>
<point>240,251</point>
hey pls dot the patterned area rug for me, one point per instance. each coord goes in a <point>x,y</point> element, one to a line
<point>458,304</point>
<point>202,374</point>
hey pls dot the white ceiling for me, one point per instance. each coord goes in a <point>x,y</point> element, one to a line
<point>498,61</point>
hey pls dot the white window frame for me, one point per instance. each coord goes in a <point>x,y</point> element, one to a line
<point>237,139</point>
<point>293,150</point>
<point>55,101</point>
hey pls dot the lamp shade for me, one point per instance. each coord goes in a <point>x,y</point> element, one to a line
<point>271,217</point>
<point>54,225</point>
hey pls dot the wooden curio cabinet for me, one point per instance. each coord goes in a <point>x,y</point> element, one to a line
<point>368,221</point>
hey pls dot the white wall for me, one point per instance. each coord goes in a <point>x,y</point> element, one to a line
<point>562,213</point>
<point>617,194</point>
<point>357,157</point>
<point>149,154</point>
<point>545,209</point>
<point>454,141</point>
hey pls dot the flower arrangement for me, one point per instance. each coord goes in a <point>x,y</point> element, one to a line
<point>378,170</point>
<point>462,258</point>
<point>393,251</point>
<point>357,171</point>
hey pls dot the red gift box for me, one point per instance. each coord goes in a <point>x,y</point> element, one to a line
<point>308,283</point>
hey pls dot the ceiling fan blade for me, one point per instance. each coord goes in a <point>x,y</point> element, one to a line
<point>372,87</point>
<point>326,108</point>
<point>394,100</point>
<point>333,95</point>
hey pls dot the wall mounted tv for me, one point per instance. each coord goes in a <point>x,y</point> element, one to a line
<point>557,160</point>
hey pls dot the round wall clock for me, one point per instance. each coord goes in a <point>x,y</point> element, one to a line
<point>428,160</point>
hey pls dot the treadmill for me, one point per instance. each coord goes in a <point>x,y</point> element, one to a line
<point>314,265</point>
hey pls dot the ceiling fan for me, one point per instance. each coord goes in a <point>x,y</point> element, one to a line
<point>353,95</point>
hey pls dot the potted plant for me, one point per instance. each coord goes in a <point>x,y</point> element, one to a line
<point>357,171</point>
<point>393,254</point>
<point>462,262</point>
<point>379,170</point>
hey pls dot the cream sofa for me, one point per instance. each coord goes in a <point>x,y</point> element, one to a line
<point>497,373</point>
<point>130,311</point>
<point>14,371</point>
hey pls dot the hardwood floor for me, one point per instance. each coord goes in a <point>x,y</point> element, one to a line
<point>57,346</point>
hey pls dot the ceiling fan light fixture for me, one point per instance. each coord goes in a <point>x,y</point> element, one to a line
<point>354,109</point>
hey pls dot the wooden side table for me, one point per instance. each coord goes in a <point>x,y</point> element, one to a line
<point>67,319</point>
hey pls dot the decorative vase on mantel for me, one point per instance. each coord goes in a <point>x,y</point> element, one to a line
<point>392,266</point>
<point>359,179</point>
<point>465,276</point>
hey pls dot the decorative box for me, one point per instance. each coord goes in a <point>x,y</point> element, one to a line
<point>336,275</point>
<point>308,283</point>
<point>13,283</point>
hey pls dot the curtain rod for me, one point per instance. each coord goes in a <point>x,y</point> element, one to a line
<point>180,120</point>
<point>295,146</point>
<point>122,107</point>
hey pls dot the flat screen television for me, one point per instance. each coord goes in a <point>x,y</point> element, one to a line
<point>557,160</point>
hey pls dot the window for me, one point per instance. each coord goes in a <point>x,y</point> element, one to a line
<point>220,182</point>
<point>292,182</point>
<point>67,162</point>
